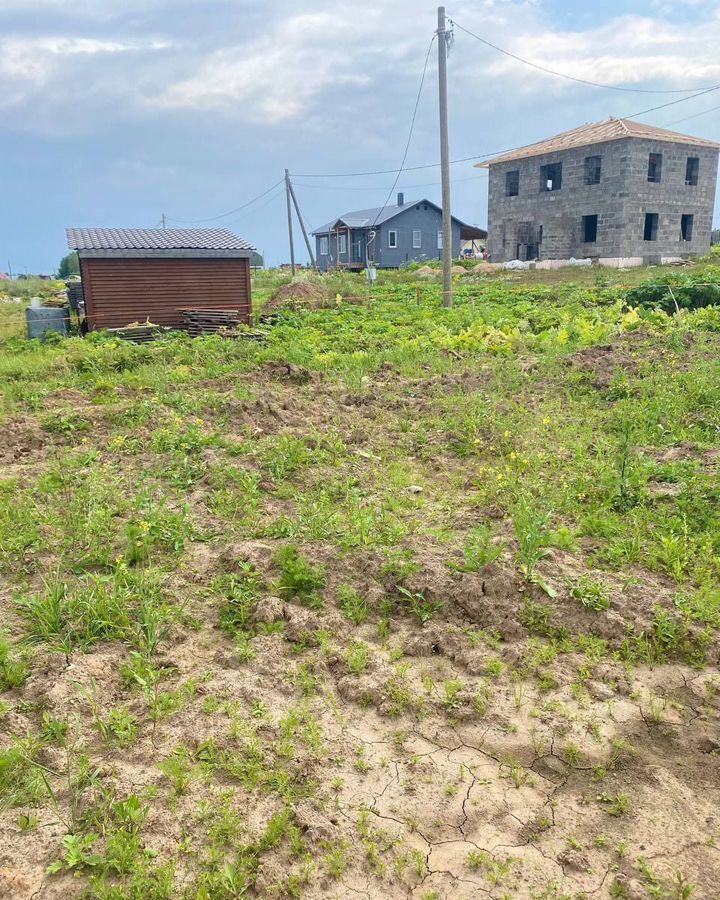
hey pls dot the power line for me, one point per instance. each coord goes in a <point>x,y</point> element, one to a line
<point>410,132</point>
<point>406,168</point>
<point>694,115</point>
<point>378,187</point>
<point>548,71</point>
<point>278,193</point>
<point>672,102</point>
<point>230,212</point>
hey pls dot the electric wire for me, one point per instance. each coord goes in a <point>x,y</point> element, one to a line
<point>541,68</point>
<point>230,212</point>
<point>278,193</point>
<point>406,168</point>
<point>410,132</point>
<point>694,116</point>
<point>672,102</point>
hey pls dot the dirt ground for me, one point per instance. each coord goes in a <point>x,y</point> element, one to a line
<point>472,752</point>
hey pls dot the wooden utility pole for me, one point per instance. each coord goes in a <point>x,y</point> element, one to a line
<point>302,224</point>
<point>444,160</point>
<point>290,228</point>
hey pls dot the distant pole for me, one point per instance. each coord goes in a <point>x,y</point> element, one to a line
<point>290,228</point>
<point>10,270</point>
<point>302,224</point>
<point>444,160</point>
<point>162,219</point>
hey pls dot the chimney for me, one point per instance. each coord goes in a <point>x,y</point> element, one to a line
<point>401,199</point>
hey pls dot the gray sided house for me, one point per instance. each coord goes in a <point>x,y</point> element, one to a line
<point>614,190</point>
<point>389,237</point>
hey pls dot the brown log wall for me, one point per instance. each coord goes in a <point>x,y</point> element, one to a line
<point>121,291</point>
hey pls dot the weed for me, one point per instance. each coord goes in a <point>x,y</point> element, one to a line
<point>179,771</point>
<point>14,669</point>
<point>357,658</point>
<point>298,577</point>
<point>422,608</point>
<point>352,604</point>
<point>479,551</point>
<point>533,538</point>
<point>590,592</point>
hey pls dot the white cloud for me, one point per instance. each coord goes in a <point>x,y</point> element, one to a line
<point>279,74</point>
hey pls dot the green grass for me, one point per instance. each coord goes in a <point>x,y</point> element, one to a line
<point>454,507</point>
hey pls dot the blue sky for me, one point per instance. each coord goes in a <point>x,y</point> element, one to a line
<point>111,114</point>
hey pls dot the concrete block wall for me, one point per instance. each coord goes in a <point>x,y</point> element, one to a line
<point>670,198</point>
<point>619,200</point>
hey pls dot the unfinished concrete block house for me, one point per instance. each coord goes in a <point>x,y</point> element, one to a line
<point>619,191</point>
<point>134,274</point>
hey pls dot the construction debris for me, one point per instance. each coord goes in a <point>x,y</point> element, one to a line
<point>226,322</point>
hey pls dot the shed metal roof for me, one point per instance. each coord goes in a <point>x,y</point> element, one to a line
<point>155,239</point>
<point>596,133</point>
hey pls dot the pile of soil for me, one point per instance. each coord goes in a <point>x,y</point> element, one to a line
<point>297,295</point>
<point>427,272</point>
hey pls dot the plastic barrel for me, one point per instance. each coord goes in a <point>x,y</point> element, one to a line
<point>47,318</point>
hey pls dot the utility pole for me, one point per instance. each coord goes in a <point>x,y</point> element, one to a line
<point>302,224</point>
<point>162,219</point>
<point>290,228</point>
<point>444,159</point>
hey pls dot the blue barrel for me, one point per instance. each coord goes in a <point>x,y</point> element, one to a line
<point>42,319</point>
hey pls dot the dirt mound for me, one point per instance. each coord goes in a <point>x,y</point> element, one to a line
<point>602,363</point>
<point>460,270</point>
<point>427,272</point>
<point>297,295</point>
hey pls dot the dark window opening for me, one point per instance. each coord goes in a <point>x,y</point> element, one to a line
<point>654,167</point>
<point>651,227</point>
<point>593,166</point>
<point>686,227</point>
<point>512,183</point>
<point>691,170</point>
<point>551,177</point>
<point>590,228</point>
<point>540,232</point>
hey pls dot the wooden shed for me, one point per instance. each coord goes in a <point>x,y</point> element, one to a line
<point>135,274</point>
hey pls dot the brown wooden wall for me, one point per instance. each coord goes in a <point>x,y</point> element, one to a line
<point>120,291</point>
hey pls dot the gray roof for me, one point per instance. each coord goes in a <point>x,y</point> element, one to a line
<point>368,218</point>
<point>155,239</point>
<point>365,218</point>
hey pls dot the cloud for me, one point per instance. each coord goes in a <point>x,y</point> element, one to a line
<point>278,75</point>
<point>30,65</point>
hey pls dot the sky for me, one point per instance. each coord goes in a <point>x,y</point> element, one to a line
<point>113,114</point>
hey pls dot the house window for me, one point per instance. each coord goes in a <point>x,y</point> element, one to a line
<point>551,177</point>
<point>342,243</point>
<point>686,227</point>
<point>417,239</point>
<point>392,239</point>
<point>691,170</point>
<point>323,246</point>
<point>593,166</point>
<point>590,227</point>
<point>512,183</point>
<point>651,227</point>
<point>440,241</point>
<point>654,167</point>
